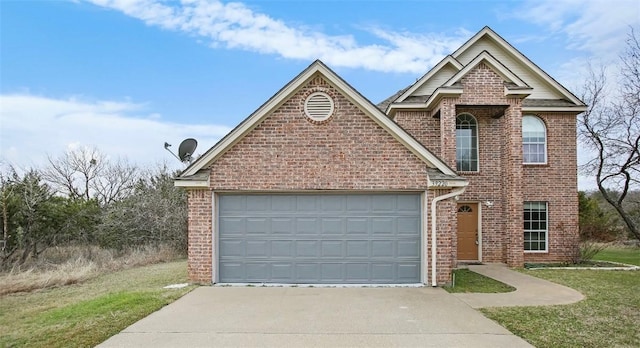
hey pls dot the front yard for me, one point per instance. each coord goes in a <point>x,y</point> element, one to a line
<point>608,317</point>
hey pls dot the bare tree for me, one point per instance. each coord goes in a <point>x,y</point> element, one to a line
<point>611,128</point>
<point>72,173</point>
<point>86,174</point>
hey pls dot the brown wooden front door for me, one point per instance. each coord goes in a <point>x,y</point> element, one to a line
<point>468,231</point>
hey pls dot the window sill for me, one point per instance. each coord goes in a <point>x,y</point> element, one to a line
<point>536,251</point>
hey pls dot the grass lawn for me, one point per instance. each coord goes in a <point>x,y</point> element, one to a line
<point>608,317</point>
<point>469,281</point>
<point>86,314</point>
<point>629,256</point>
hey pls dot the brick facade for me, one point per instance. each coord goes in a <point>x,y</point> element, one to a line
<point>352,152</point>
<point>502,179</point>
<point>347,152</point>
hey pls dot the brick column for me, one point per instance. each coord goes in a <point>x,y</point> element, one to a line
<point>512,176</point>
<point>448,131</point>
<point>200,235</point>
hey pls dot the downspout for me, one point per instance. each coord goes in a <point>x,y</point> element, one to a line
<point>457,192</point>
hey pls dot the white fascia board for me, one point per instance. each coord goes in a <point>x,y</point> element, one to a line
<point>191,183</point>
<point>493,63</point>
<point>440,93</point>
<point>578,108</point>
<point>522,58</point>
<point>429,74</point>
<point>518,92</point>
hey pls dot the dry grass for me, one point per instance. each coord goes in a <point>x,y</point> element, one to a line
<point>85,314</point>
<point>70,265</point>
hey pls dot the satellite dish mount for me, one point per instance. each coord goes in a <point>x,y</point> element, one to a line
<point>185,150</point>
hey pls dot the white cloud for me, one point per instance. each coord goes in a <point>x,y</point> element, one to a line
<point>34,127</point>
<point>239,27</point>
<point>598,28</point>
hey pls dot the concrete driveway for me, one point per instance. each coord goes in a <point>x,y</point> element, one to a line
<point>316,317</point>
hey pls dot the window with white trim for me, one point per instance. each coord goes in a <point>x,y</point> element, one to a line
<point>535,227</point>
<point>466,143</point>
<point>534,140</point>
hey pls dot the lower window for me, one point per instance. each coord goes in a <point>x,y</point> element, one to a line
<point>535,226</point>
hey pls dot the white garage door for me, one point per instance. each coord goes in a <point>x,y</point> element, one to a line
<point>319,239</point>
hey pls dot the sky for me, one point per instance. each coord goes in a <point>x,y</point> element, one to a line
<point>125,76</point>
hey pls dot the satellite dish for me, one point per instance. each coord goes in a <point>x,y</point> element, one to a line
<point>186,149</point>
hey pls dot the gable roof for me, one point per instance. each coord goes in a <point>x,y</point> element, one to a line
<point>193,175</point>
<point>516,85</point>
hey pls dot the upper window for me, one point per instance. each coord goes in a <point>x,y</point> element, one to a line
<point>534,140</point>
<point>535,226</point>
<point>466,143</point>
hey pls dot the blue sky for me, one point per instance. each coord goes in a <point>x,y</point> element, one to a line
<point>125,76</point>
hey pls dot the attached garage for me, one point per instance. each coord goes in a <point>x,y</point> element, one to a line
<point>318,186</point>
<point>319,238</point>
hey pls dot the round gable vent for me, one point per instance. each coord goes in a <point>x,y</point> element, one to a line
<point>318,106</point>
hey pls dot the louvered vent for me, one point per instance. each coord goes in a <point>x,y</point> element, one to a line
<point>318,106</point>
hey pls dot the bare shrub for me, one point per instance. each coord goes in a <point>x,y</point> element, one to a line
<point>75,264</point>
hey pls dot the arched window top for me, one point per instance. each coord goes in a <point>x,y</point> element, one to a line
<point>466,120</point>
<point>465,209</point>
<point>534,140</point>
<point>532,123</point>
<point>466,143</point>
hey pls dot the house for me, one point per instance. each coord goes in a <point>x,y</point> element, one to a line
<point>475,162</point>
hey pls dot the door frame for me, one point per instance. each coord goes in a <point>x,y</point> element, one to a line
<point>479,222</point>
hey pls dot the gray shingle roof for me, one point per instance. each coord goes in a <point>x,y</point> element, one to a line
<point>547,102</point>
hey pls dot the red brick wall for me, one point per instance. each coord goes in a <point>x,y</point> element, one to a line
<point>502,179</point>
<point>200,251</point>
<point>348,152</point>
<point>556,183</point>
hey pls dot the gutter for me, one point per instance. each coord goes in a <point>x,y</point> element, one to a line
<point>457,192</point>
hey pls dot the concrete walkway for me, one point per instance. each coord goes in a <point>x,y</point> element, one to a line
<point>531,291</point>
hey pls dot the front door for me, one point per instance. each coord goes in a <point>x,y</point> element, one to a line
<point>468,231</point>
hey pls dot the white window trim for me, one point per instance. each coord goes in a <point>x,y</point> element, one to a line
<point>546,233</point>
<point>477,144</point>
<point>546,143</point>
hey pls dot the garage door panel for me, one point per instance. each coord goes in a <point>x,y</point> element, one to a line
<point>408,271</point>
<point>332,203</point>
<point>407,248</point>
<point>257,226</point>
<point>232,248</point>
<point>307,248</point>
<point>383,271</point>
<point>258,271</point>
<point>258,204</point>
<point>407,225</point>
<point>359,238</point>
<point>257,248</point>
<point>383,204</point>
<point>332,248</point>
<point>282,248</point>
<point>331,225</point>
<point>357,271</point>
<point>383,225</point>
<point>281,271</point>
<point>232,225</point>
<point>306,225</point>
<point>357,225</point>
<point>382,248</point>
<point>357,248</point>
<point>233,271</point>
<point>408,204</point>
<point>308,272</point>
